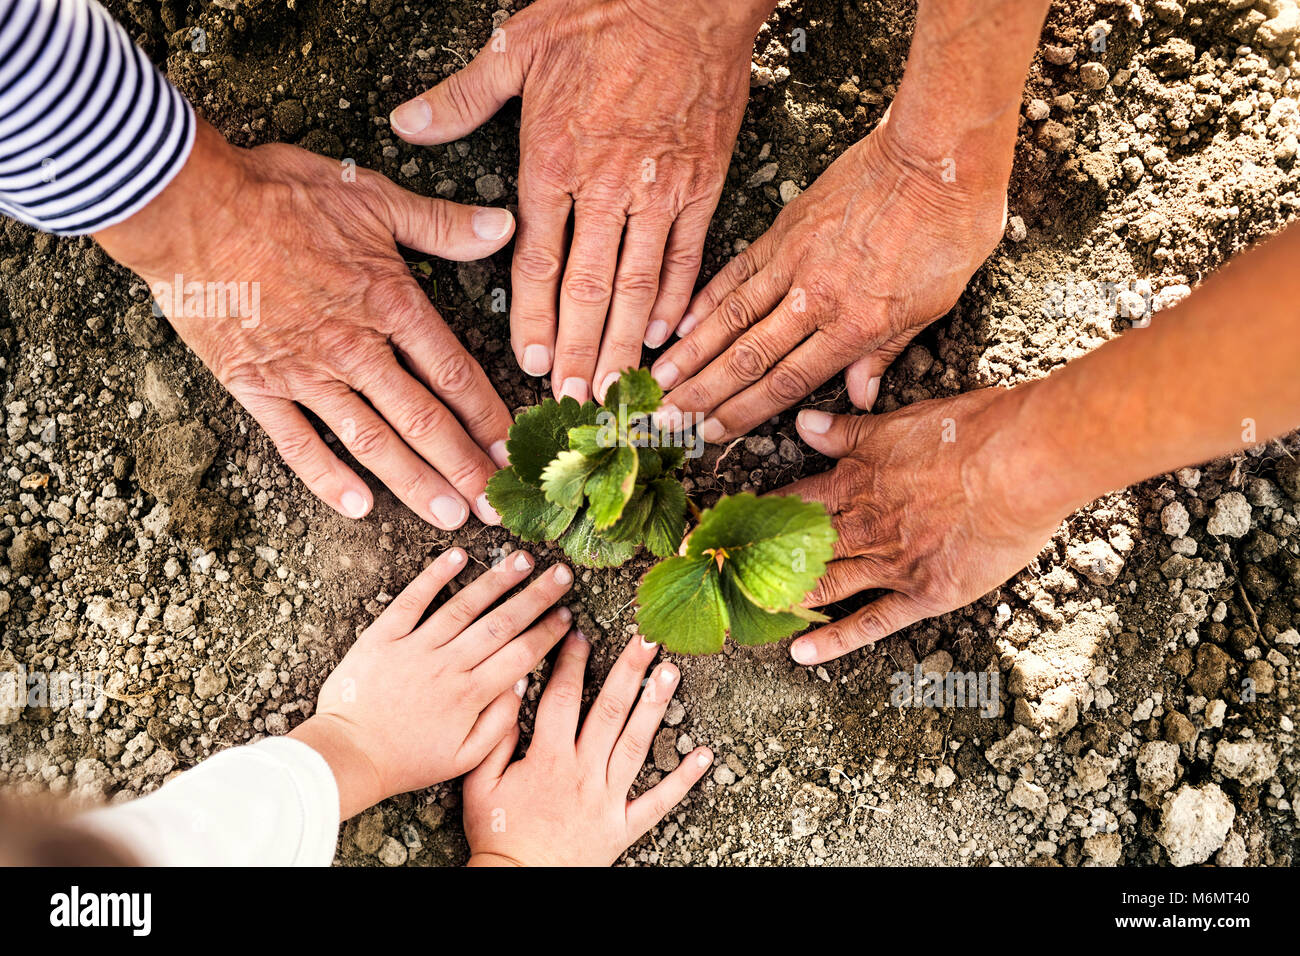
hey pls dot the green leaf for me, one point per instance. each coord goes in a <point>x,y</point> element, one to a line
<point>671,456</point>
<point>635,393</point>
<point>778,546</point>
<point>564,478</point>
<point>524,508</point>
<point>680,605</point>
<point>541,433</point>
<point>648,464</point>
<point>631,526</point>
<point>667,520</point>
<point>610,486</point>
<point>594,440</point>
<point>588,547</point>
<point>751,624</point>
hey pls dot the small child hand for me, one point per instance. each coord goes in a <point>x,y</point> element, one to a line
<point>411,706</point>
<point>566,803</point>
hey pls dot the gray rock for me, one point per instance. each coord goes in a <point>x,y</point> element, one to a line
<point>1194,823</point>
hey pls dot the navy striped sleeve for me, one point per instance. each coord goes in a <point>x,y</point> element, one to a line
<point>90,131</point>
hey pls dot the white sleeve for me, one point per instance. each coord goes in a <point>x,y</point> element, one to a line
<point>272,803</point>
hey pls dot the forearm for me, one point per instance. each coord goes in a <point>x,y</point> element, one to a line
<point>1213,375</point>
<point>962,87</point>
<point>359,784</point>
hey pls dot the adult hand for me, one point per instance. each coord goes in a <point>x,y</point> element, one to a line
<point>565,803</point>
<point>930,506</point>
<point>414,704</point>
<point>877,248</point>
<point>630,112</point>
<point>280,269</point>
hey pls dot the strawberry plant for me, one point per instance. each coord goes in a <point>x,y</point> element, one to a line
<point>744,572</point>
<point>600,481</point>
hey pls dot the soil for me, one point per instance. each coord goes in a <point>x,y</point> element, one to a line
<point>1144,659</point>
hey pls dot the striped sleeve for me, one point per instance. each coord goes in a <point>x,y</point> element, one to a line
<point>90,130</point>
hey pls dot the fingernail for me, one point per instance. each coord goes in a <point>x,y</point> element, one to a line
<point>656,333</point>
<point>647,644</point>
<point>669,417</point>
<point>354,504</point>
<point>486,511</point>
<point>688,322</point>
<point>668,675</point>
<point>563,575</point>
<point>703,760</point>
<point>522,562</point>
<point>537,360</point>
<point>499,454</point>
<point>814,422</point>
<point>712,430</point>
<point>565,616</point>
<point>455,557</point>
<point>575,388</point>
<point>579,636</point>
<point>666,374</point>
<point>610,379</point>
<point>413,116</point>
<point>448,512</point>
<point>521,685</point>
<point>491,223</point>
<point>804,652</point>
<point>873,390</point>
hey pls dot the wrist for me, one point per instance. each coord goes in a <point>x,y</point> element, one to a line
<point>168,233</point>
<point>359,781</point>
<point>1027,466</point>
<point>737,21</point>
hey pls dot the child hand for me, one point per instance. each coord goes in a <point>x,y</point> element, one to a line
<point>565,803</point>
<point>411,706</point>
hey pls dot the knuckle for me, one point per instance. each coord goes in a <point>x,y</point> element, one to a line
<point>369,439</point>
<point>682,261</point>
<point>787,384</point>
<point>535,263</point>
<point>463,472</point>
<point>587,288</point>
<point>638,285</point>
<point>424,421</point>
<point>633,747</point>
<point>608,710</point>
<point>567,694</point>
<point>501,627</point>
<point>298,449</point>
<point>456,374</point>
<point>735,313</point>
<point>746,361</point>
<point>460,614</point>
<point>580,352</point>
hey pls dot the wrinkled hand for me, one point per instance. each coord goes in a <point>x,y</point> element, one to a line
<point>413,704</point>
<point>331,318</point>
<point>565,803</point>
<point>929,507</point>
<point>630,112</point>
<point>876,249</point>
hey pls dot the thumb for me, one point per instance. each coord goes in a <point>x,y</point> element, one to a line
<point>833,435</point>
<point>863,376</point>
<point>443,228</point>
<point>463,101</point>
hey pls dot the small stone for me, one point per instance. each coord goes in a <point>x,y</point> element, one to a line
<point>1194,823</point>
<point>392,852</point>
<point>944,777</point>
<point>209,682</point>
<point>665,751</point>
<point>1246,761</point>
<point>1014,750</point>
<point>1230,517</point>
<point>763,175</point>
<point>1093,76</point>
<point>1174,520</point>
<point>1096,560</point>
<point>1157,770</point>
<point>490,187</point>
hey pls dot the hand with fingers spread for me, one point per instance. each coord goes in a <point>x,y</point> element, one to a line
<point>566,802</point>
<point>416,703</point>
<point>940,502</point>
<point>851,270</point>
<point>880,245</point>
<point>280,269</point>
<point>923,511</point>
<point>630,112</point>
